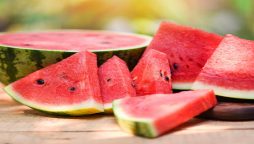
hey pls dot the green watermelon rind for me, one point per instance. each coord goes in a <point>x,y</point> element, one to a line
<point>85,108</point>
<point>17,62</point>
<point>137,126</point>
<point>223,91</point>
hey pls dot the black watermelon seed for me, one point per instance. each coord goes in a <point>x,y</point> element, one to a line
<point>108,80</point>
<point>161,73</point>
<point>72,89</point>
<point>105,42</point>
<point>27,44</point>
<point>175,66</point>
<point>40,81</point>
<point>167,78</point>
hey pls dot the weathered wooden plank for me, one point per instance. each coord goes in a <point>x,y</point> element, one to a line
<point>118,137</point>
<point>20,124</point>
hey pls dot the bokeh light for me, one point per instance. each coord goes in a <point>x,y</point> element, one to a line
<point>142,16</point>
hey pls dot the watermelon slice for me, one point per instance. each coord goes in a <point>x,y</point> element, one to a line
<point>187,48</point>
<point>115,80</point>
<point>23,53</point>
<point>154,115</point>
<point>230,70</point>
<point>69,87</point>
<point>152,74</point>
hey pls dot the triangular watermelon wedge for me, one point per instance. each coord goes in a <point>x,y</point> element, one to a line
<point>230,70</point>
<point>187,49</point>
<point>116,82</point>
<point>154,115</point>
<point>69,87</point>
<point>152,74</point>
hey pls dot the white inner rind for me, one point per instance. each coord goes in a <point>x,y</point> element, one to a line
<point>107,106</point>
<point>88,106</point>
<point>182,85</point>
<point>120,114</point>
<point>226,92</point>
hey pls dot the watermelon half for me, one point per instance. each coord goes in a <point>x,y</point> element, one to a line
<point>230,70</point>
<point>152,74</point>
<point>69,87</point>
<point>154,115</point>
<point>23,53</point>
<point>187,49</point>
<point>115,81</point>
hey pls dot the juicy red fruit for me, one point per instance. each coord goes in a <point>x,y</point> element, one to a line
<point>152,74</point>
<point>71,40</point>
<point>115,80</point>
<point>70,81</point>
<point>154,115</point>
<point>187,50</point>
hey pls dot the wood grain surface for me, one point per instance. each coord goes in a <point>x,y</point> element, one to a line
<point>22,125</point>
<point>231,111</point>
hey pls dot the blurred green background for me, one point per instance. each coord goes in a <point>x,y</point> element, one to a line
<point>140,16</point>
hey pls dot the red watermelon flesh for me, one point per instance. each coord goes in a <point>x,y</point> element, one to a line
<point>70,86</point>
<point>230,70</point>
<point>154,115</point>
<point>73,40</point>
<point>152,74</point>
<point>187,49</point>
<point>115,80</point>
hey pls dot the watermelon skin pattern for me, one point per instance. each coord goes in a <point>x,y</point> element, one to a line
<point>230,70</point>
<point>17,62</point>
<point>187,49</point>
<point>153,115</point>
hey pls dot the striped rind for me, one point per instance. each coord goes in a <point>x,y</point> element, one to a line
<point>83,108</point>
<point>17,62</point>
<point>223,91</point>
<point>134,125</point>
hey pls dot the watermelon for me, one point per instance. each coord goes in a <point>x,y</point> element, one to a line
<point>187,49</point>
<point>115,81</point>
<point>69,87</point>
<point>152,74</point>
<point>154,115</point>
<point>23,53</point>
<point>230,70</point>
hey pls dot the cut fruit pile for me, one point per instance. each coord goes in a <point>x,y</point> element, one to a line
<point>178,56</point>
<point>187,49</point>
<point>24,53</point>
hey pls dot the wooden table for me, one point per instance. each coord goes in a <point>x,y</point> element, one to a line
<point>22,125</point>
